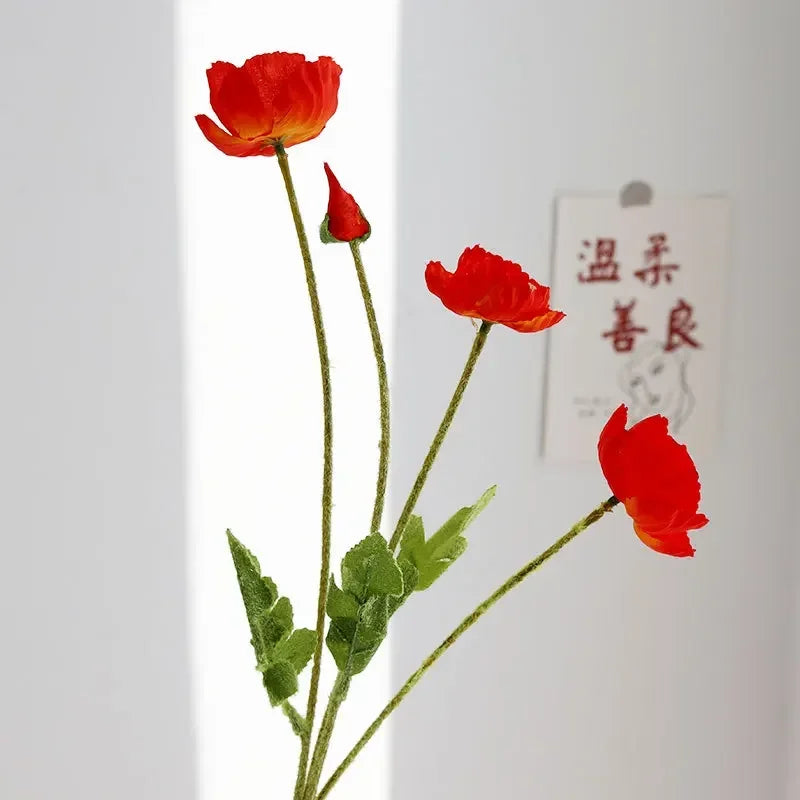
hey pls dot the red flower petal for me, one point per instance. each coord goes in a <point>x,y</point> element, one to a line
<point>271,72</point>
<point>675,544</point>
<point>237,102</point>
<point>232,145</point>
<point>488,287</point>
<point>307,101</point>
<point>656,480</point>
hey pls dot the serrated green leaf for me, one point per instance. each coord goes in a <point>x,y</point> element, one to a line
<point>340,604</point>
<point>340,636</point>
<point>280,680</point>
<point>269,585</point>
<point>434,556</point>
<point>353,643</point>
<point>259,594</point>
<point>410,580</point>
<point>275,624</point>
<point>280,653</point>
<point>459,522</point>
<point>372,581</point>
<point>370,570</point>
<point>297,649</point>
<point>413,537</point>
<point>372,629</point>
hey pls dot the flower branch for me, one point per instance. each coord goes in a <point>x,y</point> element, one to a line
<point>276,101</point>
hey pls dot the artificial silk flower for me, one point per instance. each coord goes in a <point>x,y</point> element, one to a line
<point>344,221</point>
<point>656,480</point>
<point>275,98</point>
<point>485,286</point>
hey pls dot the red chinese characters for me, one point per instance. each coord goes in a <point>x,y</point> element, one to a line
<point>655,269</point>
<point>604,267</point>
<point>680,326</point>
<point>623,333</point>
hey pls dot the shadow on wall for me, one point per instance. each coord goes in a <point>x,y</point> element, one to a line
<point>600,678</point>
<point>95,678</point>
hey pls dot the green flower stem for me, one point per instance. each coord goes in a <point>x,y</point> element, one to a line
<point>467,623</point>
<point>300,782</point>
<point>301,729</point>
<point>383,388</point>
<point>436,444</point>
<point>338,694</point>
<point>327,469</point>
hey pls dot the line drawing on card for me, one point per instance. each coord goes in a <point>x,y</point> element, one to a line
<point>655,381</point>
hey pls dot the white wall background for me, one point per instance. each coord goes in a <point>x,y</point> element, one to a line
<point>615,673</point>
<point>94,697</point>
<point>254,399</point>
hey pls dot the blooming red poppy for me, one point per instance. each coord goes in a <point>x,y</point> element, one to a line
<point>656,480</point>
<point>344,221</point>
<point>486,286</point>
<point>275,98</point>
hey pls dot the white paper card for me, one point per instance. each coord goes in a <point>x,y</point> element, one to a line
<point>643,291</point>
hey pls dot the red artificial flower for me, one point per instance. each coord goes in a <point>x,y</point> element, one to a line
<point>344,221</point>
<point>488,287</point>
<point>656,480</point>
<point>275,98</point>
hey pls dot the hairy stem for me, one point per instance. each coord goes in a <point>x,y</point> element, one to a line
<point>327,468</point>
<point>465,625</point>
<point>300,782</point>
<point>383,389</point>
<point>436,444</point>
<point>338,694</point>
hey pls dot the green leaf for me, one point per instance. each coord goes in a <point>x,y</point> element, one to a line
<point>413,538</point>
<point>259,594</point>
<point>340,604</point>
<point>275,624</point>
<point>372,583</point>
<point>410,581</point>
<point>281,652</point>
<point>460,521</point>
<point>369,570</point>
<point>372,627</point>
<point>280,680</point>
<point>341,633</point>
<point>353,642</point>
<point>434,556</point>
<point>297,649</point>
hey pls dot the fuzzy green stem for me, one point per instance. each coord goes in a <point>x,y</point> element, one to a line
<point>301,729</point>
<point>436,444</point>
<point>338,694</point>
<point>300,781</point>
<point>327,468</point>
<point>467,623</point>
<point>383,388</point>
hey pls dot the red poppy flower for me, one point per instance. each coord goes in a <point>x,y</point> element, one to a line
<point>344,221</point>
<point>275,98</point>
<point>488,287</point>
<point>655,478</point>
